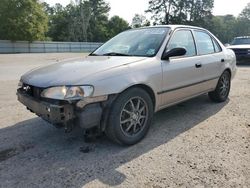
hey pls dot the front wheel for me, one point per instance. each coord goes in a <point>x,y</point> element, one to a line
<point>220,94</point>
<point>130,117</point>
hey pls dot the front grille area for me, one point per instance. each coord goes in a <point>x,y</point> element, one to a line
<point>32,91</point>
<point>35,92</point>
<point>241,51</point>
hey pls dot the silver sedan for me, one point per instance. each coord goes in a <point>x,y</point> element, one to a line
<point>117,88</point>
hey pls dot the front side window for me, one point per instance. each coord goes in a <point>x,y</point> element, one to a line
<point>183,39</point>
<point>144,42</point>
<point>204,43</point>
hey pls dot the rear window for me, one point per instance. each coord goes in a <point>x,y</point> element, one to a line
<point>241,41</point>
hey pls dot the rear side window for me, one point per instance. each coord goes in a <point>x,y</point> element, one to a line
<point>217,47</point>
<point>204,43</point>
<point>183,39</point>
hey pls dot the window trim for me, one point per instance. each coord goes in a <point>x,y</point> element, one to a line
<point>215,42</point>
<point>212,39</point>
<point>172,34</point>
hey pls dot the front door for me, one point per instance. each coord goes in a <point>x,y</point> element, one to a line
<point>182,76</point>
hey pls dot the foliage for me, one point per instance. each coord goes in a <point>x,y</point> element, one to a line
<point>220,24</point>
<point>227,27</point>
<point>199,13</point>
<point>117,25</point>
<point>87,20</point>
<point>98,31</point>
<point>83,21</point>
<point>245,14</point>
<point>243,22</point>
<point>58,23</point>
<point>139,21</point>
<point>22,20</point>
<point>180,11</point>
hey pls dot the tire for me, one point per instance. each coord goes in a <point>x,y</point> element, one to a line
<point>220,94</point>
<point>130,117</point>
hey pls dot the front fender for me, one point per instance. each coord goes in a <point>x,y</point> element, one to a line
<point>117,80</point>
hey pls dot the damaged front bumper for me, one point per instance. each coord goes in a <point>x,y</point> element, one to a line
<point>85,113</point>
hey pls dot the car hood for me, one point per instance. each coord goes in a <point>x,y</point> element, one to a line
<point>243,46</point>
<point>75,71</point>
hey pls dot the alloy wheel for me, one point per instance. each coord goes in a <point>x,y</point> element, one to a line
<point>224,85</point>
<point>134,116</point>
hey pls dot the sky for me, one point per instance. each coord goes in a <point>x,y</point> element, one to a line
<point>128,8</point>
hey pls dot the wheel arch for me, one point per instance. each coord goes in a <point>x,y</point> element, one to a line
<point>146,88</point>
<point>113,98</point>
<point>228,70</point>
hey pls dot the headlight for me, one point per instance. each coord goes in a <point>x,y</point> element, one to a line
<point>68,93</point>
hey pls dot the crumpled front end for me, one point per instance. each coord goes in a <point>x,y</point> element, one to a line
<point>86,113</point>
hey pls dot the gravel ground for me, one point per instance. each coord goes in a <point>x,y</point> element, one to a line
<point>194,144</point>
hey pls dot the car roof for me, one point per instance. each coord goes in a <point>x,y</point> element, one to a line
<point>173,27</point>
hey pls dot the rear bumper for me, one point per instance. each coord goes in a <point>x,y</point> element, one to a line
<point>55,114</point>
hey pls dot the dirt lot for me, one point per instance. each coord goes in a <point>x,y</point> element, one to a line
<point>194,144</point>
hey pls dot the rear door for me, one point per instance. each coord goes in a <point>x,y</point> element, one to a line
<point>211,57</point>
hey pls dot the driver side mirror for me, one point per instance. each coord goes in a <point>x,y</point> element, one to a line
<point>174,53</point>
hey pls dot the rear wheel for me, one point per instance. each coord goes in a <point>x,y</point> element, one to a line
<point>220,94</point>
<point>130,117</point>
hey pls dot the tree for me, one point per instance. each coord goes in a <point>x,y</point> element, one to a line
<point>199,11</point>
<point>70,23</point>
<point>224,27</point>
<point>139,21</point>
<point>245,14</point>
<point>47,9</point>
<point>161,10</point>
<point>22,20</point>
<point>194,12</point>
<point>116,25</point>
<point>227,27</point>
<point>243,22</point>
<point>79,18</point>
<point>229,22</point>
<point>58,24</point>
<point>84,20</point>
<point>98,31</point>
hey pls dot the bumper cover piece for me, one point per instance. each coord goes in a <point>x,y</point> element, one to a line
<point>90,116</point>
<point>55,114</point>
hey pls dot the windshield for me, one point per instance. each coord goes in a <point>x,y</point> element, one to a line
<point>144,42</point>
<point>239,41</point>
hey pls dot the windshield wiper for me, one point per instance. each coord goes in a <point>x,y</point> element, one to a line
<point>115,54</point>
<point>92,54</point>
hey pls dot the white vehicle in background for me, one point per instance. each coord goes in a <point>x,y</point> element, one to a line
<point>118,87</point>
<point>241,48</point>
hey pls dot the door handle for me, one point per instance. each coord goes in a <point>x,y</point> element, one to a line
<point>198,65</point>
<point>222,60</point>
